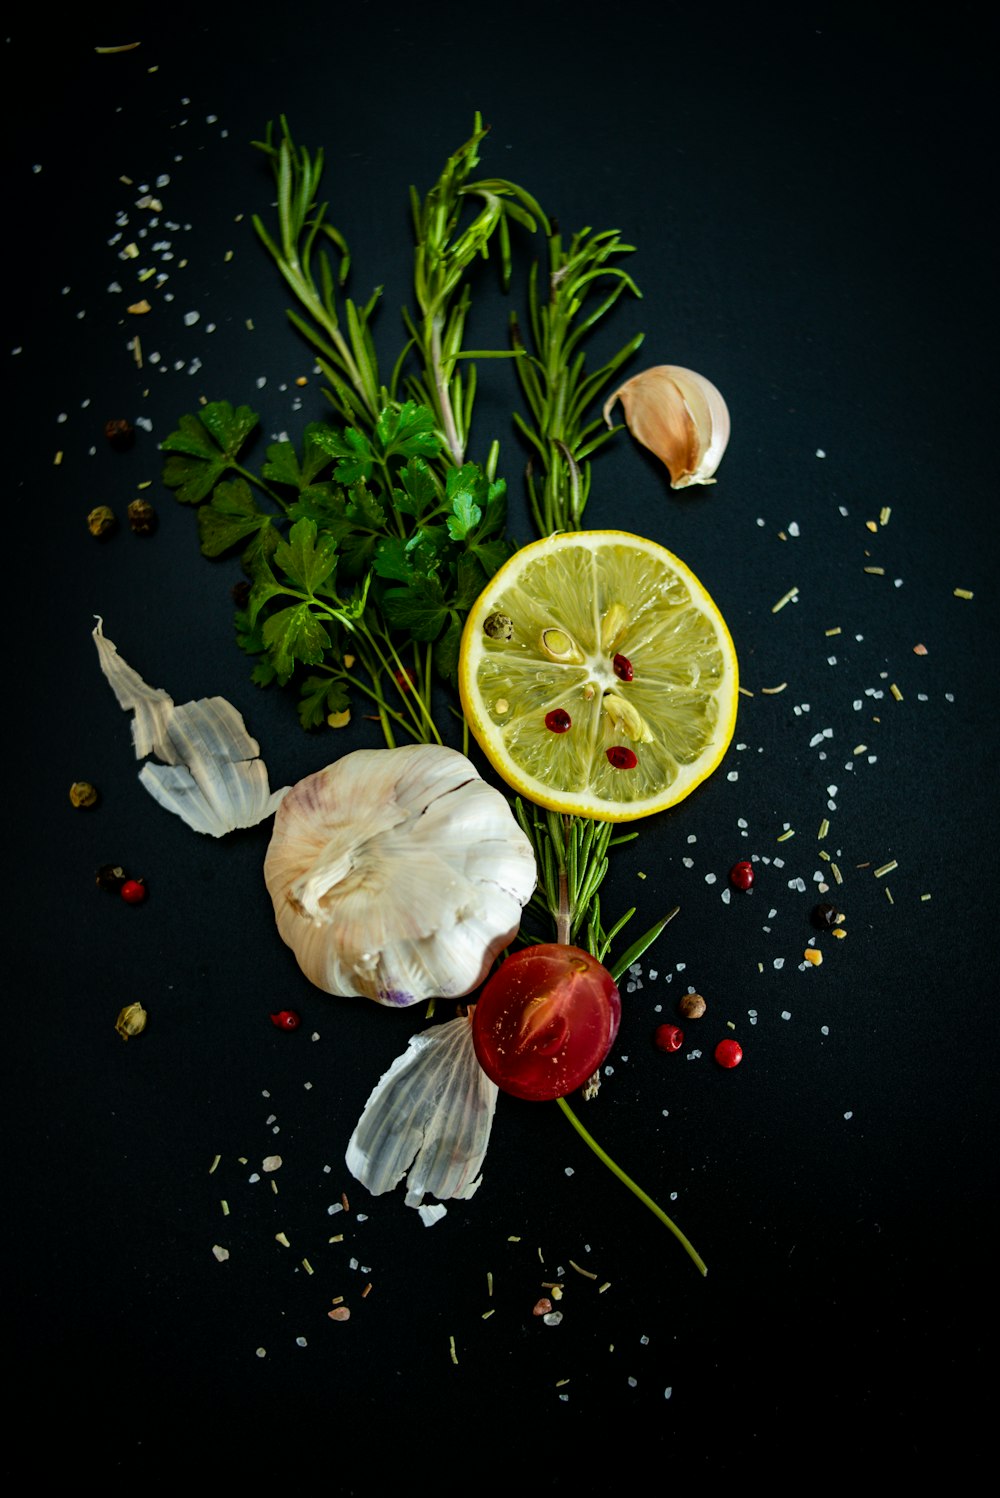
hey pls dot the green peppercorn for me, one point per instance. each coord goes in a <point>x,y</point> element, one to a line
<point>498,627</point>
<point>142,517</point>
<point>101,521</point>
<point>131,1021</point>
<point>82,793</point>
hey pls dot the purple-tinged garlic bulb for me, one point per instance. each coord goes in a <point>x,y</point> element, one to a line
<point>398,874</point>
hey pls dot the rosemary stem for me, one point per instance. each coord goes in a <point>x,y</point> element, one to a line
<point>636,1190</point>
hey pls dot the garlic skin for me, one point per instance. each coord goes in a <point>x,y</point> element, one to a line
<point>428,1118</point>
<point>211,773</point>
<point>680,416</point>
<point>397,874</point>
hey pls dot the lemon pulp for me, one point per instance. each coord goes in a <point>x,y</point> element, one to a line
<point>617,635</point>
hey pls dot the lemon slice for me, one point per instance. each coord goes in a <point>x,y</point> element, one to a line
<point>598,676</point>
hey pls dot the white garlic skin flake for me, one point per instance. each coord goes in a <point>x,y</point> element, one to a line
<point>397,874</point>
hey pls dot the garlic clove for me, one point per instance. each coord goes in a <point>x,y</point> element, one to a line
<point>429,1118</point>
<point>398,874</point>
<point>680,416</point>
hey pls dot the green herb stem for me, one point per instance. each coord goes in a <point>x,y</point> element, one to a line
<point>636,1190</point>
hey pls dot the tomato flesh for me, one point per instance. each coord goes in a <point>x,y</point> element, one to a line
<point>545,1021</point>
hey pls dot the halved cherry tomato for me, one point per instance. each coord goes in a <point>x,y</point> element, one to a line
<point>545,1021</point>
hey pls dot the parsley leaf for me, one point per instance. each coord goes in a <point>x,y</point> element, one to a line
<point>203,447</point>
<point>320,695</point>
<point>295,634</point>
<point>308,562</point>
<point>420,610</point>
<point>230,517</point>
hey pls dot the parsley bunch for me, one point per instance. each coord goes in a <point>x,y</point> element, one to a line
<point>363,563</point>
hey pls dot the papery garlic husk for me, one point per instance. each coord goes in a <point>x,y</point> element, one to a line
<point>429,1118</point>
<point>212,775</point>
<point>680,416</point>
<point>398,874</point>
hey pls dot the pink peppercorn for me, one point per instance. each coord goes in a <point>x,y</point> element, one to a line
<point>742,875</point>
<point>621,758</point>
<point>669,1037</point>
<point>287,1019</point>
<point>133,891</point>
<point>729,1053</point>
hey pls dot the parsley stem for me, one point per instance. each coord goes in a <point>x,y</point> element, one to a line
<point>636,1190</point>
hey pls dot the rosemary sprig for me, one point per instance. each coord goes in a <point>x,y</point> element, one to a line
<point>583,285</point>
<point>301,250</point>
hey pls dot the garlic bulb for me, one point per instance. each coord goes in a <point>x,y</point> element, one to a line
<point>680,416</point>
<point>428,1118</point>
<point>397,874</point>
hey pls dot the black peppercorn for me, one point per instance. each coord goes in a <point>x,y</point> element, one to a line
<point>111,877</point>
<point>120,433</point>
<point>824,917</point>
<point>142,517</point>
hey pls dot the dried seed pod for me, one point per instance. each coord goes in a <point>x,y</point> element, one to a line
<point>131,1021</point>
<point>83,794</point>
<point>680,416</point>
<point>101,521</point>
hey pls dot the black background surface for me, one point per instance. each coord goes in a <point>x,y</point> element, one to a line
<point>805,192</point>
